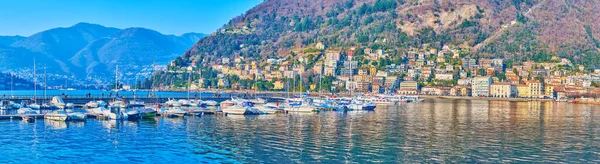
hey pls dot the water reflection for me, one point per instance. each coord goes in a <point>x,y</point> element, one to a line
<point>56,124</point>
<point>437,130</point>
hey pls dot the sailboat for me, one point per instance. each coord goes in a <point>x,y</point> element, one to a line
<point>35,105</point>
<point>300,106</point>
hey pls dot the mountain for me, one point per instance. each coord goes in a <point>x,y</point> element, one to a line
<point>8,40</point>
<point>130,47</point>
<point>17,83</point>
<point>89,50</point>
<point>513,29</point>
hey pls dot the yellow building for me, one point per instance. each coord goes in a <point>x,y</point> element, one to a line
<point>523,90</point>
<point>535,88</point>
<point>549,91</point>
<point>503,90</point>
<point>278,85</point>
<point>413,85</point>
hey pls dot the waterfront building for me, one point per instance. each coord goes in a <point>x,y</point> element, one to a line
<point>503,90</point>
<point>549,91</point>
<point>523,91</point>
<point>362,86</point>
<point>412,85</point>
<point>535,88</point>
<point>481,86</point>
<point>391,82</point>
<point>460,90</point>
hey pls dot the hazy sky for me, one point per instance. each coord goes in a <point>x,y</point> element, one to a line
<point>26,17</point>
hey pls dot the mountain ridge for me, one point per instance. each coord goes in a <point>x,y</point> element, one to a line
<point>526,29</point>
<point>88,50</point>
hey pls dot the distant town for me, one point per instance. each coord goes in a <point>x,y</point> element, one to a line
<point>427,71</point>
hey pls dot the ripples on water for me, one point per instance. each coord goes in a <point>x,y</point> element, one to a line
<point>434,131</point>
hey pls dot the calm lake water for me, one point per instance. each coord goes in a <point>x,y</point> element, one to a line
<point>436,130</point>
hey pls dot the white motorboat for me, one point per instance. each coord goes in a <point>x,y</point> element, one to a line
<point>136,103</point>
<point>92,104</point>
<point>98,111</point>
<point>119,103</point>
<point>115,113</point>
<point>275,106</point>
<point>259,101</point>
<point>172,103</point>
<point>34,106</point>
<point>70,105</point>
<point>235,109</point>
<point>57,116</point>
<point>301,109</point>
<point>210,103</point>
<point>266,109</point>
<point>58,102</point>
<point>77,116</point>
<point>26,111</point>
<point>174,112</point>
<point>184,102</point>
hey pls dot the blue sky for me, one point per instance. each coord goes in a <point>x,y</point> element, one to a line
<point>26,17</point>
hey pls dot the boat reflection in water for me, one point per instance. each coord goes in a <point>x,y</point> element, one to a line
<point>433,131</point>
<point>55,124</point>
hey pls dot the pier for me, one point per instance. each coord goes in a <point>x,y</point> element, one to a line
<point>82,99</point>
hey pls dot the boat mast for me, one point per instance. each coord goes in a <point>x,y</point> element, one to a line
<point>116,80</point>
<point>200,80</point>
<point>11,85</point>
<point>189,84</point>
<point>320,85</point>
<point>34,83</point>
<point>351,77</point>
<point>45,84</point>
<point>293,81</point>
<point>255,85</point>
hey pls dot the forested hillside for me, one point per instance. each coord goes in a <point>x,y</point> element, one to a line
<point>519,29</point>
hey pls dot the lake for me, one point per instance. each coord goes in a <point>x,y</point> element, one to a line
<point>437,130</point>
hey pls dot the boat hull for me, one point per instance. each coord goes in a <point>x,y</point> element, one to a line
<point>300,109</point>
<point>55,117</point>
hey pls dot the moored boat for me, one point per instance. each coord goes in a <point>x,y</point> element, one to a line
<point>57,116</point>
<point>77,116</point>
<point>26,111</point>
<point>147,113</point>
<point>226,103</point>
<point>210,103</point>
<point>235,109</point>
<point>58,102</point>
<point>174,112</point>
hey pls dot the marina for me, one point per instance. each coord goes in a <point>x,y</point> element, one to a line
<point>435,130</point>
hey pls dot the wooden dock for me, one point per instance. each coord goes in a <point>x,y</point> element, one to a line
<point>20,116</point>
